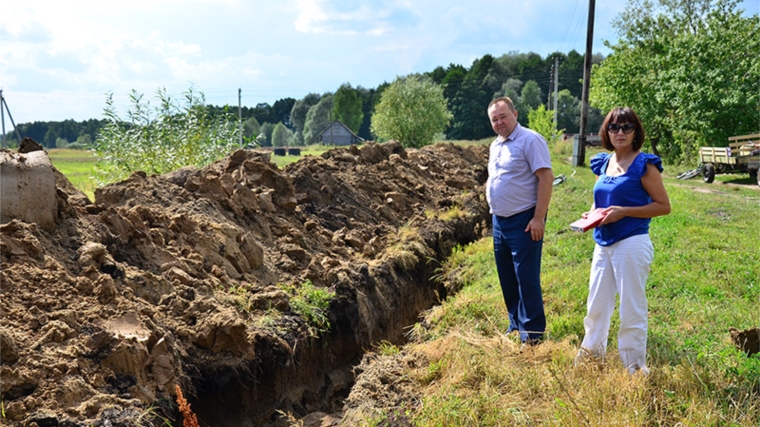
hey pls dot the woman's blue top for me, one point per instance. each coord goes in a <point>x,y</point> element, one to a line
<point>622,190</point>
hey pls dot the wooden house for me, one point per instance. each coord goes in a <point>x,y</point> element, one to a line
<point>338,134</point>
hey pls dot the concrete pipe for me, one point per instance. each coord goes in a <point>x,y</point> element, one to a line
<point>27,189</point>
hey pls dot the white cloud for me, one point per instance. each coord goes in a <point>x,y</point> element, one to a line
<point>58,57</point>
<point>391,48</point>
<point>346,17</point>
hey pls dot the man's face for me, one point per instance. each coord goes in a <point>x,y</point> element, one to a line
<point>503,119</point>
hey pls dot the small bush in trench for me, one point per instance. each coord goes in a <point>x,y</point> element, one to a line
<point>311,302</point>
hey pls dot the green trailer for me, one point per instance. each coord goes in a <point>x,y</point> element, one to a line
<point>742,155</point>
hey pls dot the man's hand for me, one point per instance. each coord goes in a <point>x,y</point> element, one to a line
<point>536,227</point>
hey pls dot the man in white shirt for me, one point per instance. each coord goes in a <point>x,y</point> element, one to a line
<point>518,191</point>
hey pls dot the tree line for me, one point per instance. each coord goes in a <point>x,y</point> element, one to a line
<point>526,77</point>
<point>59,134</point>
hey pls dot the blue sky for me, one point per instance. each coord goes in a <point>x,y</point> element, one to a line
<point>59,59</point>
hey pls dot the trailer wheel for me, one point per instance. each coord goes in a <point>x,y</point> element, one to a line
<point>708,173</point>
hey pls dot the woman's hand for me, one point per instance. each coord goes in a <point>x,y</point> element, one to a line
<point>613,214</point>
<point>585,215</point>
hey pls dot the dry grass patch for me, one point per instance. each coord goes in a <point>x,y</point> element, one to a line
<point>469,379</point>
<point>406,248</point>
<point>489,381</point>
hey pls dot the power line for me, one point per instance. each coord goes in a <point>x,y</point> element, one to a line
<point>570,21</point>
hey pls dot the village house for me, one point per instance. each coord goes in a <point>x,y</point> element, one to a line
<point>338,134</point>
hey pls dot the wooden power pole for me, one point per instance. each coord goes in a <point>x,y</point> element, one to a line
<point>579,148</point>
<point>556,89</point>
<point>240,117</point>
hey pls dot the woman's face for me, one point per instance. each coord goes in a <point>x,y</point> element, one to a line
<point>621,134</point>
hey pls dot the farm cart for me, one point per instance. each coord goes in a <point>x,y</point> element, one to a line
<point>741,155</point>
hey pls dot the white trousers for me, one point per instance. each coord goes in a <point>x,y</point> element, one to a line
<point>621,268</point>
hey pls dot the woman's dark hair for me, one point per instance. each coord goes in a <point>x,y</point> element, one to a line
<point>622,115</point>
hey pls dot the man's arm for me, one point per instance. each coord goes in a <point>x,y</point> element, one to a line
<point>537,225</point>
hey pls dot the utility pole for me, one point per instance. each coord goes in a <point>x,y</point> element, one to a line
<point>240,116</point>
<point>556,88</point>
<point>3,107</point>
<point>551,89</point>
<point>579,149</point>
<point>2,116</point>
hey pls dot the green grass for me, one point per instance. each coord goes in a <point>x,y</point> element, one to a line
<point>705,279</point>
<point>311,150</point>
<point>311,303</point>
<point>78,166</point>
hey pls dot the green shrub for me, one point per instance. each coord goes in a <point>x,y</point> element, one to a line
<point>76,146</point>
<point>311,303</point>
<point>412,110</point>
<point>541,120</point>
<point>164,138</point>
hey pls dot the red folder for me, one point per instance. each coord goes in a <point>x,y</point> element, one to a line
<point>591,221</point>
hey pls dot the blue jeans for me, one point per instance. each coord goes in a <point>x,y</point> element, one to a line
<point>518,262</point>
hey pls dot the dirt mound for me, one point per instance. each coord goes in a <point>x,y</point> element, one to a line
<point>747,340</point>
<point>383,383</point>
<point>178,279</point>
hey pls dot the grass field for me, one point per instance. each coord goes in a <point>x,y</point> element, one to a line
<point>311,150</point>
<point>78,166</point>
<point>705,279</point>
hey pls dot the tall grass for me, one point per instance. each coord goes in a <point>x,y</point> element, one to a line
<point>705,279</point>
<point>311,303</point>
<point>163,137</point>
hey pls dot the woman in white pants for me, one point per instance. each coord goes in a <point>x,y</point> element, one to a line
<point>629,192</point>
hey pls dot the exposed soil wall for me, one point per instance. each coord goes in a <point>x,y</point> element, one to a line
<point>173,279</point>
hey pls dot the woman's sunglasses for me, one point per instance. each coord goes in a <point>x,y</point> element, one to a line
<point>614,127</point>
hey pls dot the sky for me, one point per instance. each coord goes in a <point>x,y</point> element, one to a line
<point>59,60</point>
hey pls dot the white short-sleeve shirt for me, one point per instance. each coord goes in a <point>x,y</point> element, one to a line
<point>512,185</point>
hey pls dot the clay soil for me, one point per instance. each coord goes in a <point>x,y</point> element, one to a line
<point>187,279</point>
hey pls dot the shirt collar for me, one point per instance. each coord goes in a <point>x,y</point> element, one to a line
<point>511,137</point>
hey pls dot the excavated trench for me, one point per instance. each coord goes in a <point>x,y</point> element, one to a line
<point>190,279</point>
<point>318,375</point>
